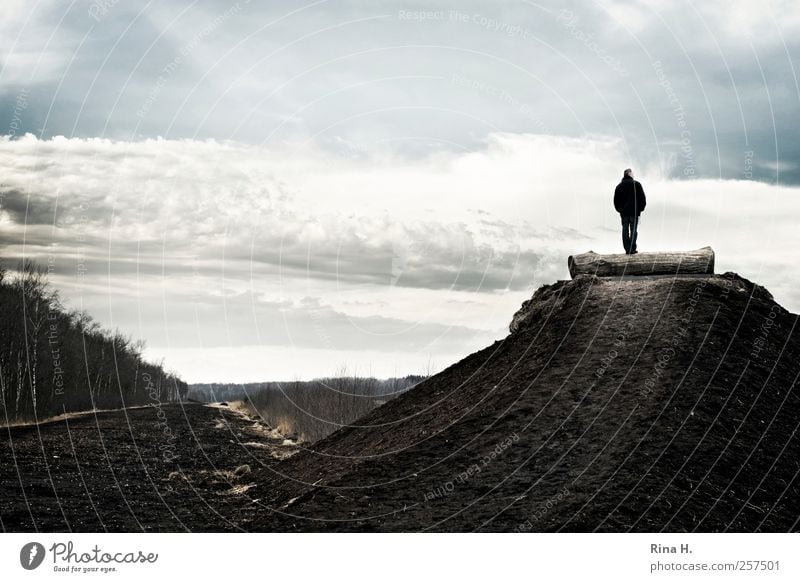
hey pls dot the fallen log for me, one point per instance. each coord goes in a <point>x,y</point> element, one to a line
<point>696,262</point>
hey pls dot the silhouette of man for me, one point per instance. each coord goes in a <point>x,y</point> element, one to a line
<point>629,201</point>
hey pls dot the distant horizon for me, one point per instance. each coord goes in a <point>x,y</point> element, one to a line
<point>309,380</point>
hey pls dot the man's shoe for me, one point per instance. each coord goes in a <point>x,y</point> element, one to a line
<point>634,252</point>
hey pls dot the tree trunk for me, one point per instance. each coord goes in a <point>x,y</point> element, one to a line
<point>697,262</point>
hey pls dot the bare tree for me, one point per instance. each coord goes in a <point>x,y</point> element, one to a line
<point>53,360</point>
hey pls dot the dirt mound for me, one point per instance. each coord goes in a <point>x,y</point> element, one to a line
<point>614,405</point>
<point>664,404</point>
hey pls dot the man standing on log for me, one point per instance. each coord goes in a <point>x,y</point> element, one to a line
<point>629,201</point>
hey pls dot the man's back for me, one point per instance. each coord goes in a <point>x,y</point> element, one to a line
<point>629,198</point>
<point>629,201</point>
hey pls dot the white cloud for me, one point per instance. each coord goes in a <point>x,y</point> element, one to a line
<point>207,245</point>
<point>770,18</point>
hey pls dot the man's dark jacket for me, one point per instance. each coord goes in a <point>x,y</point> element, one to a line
<point>629,197</point>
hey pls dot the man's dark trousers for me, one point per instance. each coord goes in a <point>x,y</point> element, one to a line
<point>629,224</point>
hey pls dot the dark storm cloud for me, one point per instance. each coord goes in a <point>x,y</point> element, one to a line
<point>26,211</point>
<point>424,265</point>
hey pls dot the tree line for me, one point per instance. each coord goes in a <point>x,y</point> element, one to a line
<point>54,360</point>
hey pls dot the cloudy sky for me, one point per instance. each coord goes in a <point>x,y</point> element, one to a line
<point>265,191</point>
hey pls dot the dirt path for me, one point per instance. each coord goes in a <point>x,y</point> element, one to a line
<point>181,467</point>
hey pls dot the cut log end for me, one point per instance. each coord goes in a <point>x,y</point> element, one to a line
<point>699,262</point>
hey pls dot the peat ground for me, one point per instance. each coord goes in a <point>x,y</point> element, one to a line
<point>665,404</point>
<point>135,470</point>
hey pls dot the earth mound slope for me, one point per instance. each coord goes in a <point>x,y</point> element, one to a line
<point>652,404</point>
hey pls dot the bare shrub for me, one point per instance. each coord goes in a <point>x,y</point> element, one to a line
<point>310,410</point>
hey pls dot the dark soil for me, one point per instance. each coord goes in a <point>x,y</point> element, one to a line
<point>615,405</point>
<point>121,471</point>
